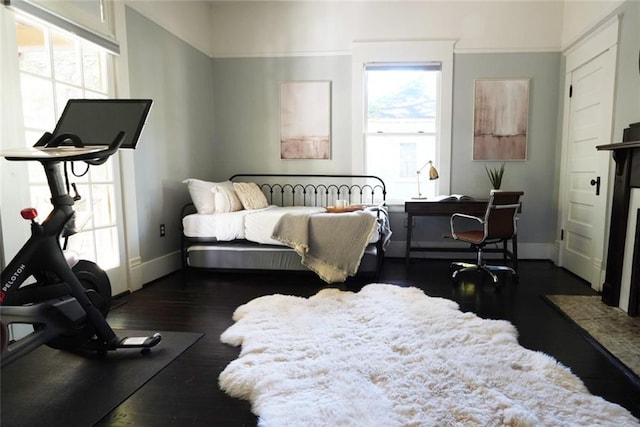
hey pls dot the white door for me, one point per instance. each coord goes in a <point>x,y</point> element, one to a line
<point>586,170</point>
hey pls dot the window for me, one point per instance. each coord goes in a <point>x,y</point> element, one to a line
<point>89,19</point>
<point>400,124</point>
<point>56,66</point>
<point>402,97</point>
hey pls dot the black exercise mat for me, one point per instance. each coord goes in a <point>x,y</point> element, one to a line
<point>49,387</point>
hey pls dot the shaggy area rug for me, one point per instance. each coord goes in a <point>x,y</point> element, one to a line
<point>392,356</point>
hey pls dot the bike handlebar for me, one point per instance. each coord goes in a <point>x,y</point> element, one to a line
<point>45,149</point>
<point>62,138</point>
<point>96,158</point>
<point>113,147</point>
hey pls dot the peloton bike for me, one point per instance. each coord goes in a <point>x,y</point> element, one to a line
<point>67,304</point>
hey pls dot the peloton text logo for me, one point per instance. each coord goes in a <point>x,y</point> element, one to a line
<point>12,280</point>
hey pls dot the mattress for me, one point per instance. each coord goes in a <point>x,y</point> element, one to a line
<point>253,225</point>
<point>222,227</point>
<point>225,256</point>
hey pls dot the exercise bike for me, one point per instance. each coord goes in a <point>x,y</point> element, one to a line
<point>68,302</point>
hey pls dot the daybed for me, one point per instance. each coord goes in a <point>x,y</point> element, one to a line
<point>222,232</point>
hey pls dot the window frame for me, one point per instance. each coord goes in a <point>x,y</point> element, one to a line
<point>98,177</point>
<point>424,139</point>
<point>75,19</point>
<point>419,52</point>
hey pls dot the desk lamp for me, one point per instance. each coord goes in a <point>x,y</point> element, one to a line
<point>433,174</point>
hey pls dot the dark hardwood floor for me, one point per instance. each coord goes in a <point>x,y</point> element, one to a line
<point>186,392</point>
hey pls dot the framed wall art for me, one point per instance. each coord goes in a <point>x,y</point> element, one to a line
<point>500,119</point>
<point>305,120</point>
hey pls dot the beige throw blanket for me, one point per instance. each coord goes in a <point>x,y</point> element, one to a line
<point>329,244</point>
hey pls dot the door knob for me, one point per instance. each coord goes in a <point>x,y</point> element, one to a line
<point>596,182</point>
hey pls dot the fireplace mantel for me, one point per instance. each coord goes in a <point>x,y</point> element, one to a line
<point>627,176</point>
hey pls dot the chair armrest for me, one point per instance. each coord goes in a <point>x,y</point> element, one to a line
<point>462,216</point>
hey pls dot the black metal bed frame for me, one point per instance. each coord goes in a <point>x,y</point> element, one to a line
<point>320,190</point>
<point>321,194</point>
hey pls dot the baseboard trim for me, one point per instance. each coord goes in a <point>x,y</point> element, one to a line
<point>148,271</point>
<point>151,270</point>
<point>525,251</point>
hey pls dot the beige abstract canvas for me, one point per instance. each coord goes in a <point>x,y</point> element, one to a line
<point>305,120</point>
<point>500,121</point>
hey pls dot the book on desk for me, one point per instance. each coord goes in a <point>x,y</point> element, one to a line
<point>450,198</point>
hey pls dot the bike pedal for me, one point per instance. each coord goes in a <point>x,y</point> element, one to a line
<point>140,342</point>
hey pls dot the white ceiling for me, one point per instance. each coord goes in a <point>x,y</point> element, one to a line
<point>310,27</point>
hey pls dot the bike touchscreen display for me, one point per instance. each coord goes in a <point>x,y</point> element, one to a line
<point>98,121</point>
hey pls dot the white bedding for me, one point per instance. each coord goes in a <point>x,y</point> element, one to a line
<point>259,226</point>
<point>221,226</point>
<point>253,225</point>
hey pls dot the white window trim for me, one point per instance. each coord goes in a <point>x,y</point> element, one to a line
<point>398,52</point>
<point>126,157</point>
<point>66,16</point>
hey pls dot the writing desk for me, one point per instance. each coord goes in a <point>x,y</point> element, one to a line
<point>476,207</point>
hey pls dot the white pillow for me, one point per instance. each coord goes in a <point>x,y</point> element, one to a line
<point>201,195</point>
<point>250,195</point>
<point>226,199</point>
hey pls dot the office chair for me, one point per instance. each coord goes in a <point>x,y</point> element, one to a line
<point>498,225</point>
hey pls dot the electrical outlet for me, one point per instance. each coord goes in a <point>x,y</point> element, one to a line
<point>162,230</point>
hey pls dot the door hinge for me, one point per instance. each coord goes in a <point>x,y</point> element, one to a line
<point>570,91</point>
<point>562,234</point>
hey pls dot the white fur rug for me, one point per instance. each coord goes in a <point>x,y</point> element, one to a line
<point>392,356</point>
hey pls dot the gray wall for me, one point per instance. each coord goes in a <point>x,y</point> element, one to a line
<point>216,117</point>
<point>246,95</point>
<point>537,175</point>
<point>627,101</point>
<point>177,141</point>
<point>246,101</point>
